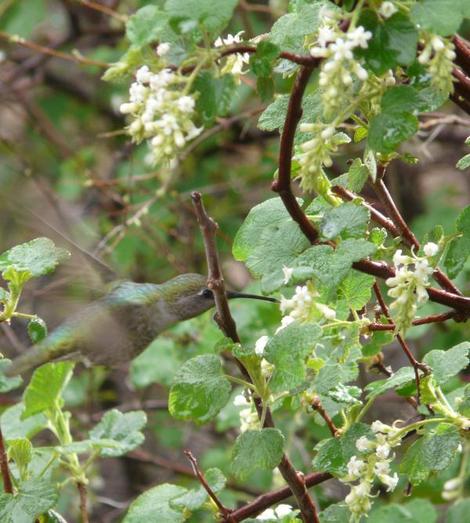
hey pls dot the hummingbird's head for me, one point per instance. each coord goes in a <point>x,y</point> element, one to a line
<point>189,296</point>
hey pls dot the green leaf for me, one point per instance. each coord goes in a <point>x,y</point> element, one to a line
<point>357,175</point>
<point>289,31</point>
<point>377,341</point>
<point>337,513</point>
<point>257,450</point>
<point>200,389</point>
<point>21,452</point>
<point>39,257</point>
<point>348,220</point>
<point>447,363</point>
<point>355,289</point>
<point>274,115</point>
<point>211,15</point>
<point>157,364</point>
<point>123,429</point>
<point>34,497</point>
<point>156,503</point>
<point>442,17</point>
<point>261,216</point>
<point>37,330</point>
<point>287,351</point>
<point>278,245</point>
<point>195,498</point>
<point>388,130</point>
<point>458,513</point>
<point>330,266</point>
<point>23,18</point>
<point>263,60</point>
<point>333,454</point>
<point>215,95</point>
<point>459,249</point>
<point>14,427</point>
<point>393,41</point>
<point>415,511</point>
<point>6,383</point>
<point>379,387</point>
<point>464,162</point>
<point>433,452</point>
<point>145,25</point>
<point>45,388</point>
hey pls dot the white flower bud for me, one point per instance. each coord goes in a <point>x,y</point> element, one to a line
<point>430,249</point>
<point>163,48</point>
<point>261,344</point>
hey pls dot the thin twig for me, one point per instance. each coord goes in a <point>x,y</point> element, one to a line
<point>227,325</point>
<point>411,240</point>
<point>76,58</point>
<point>417,366</point>
<point>225,512</point>
<point>434,318</point>
<point>317,405</point>
<point>7,484</point>
<point>105,10</point>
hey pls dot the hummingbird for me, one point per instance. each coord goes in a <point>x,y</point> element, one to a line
<point>117,327</point>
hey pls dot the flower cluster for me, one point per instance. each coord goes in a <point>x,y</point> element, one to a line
<point>303,306</point>
<point>280,512</point>
<point>373,463</point>
<point>234,63</point>
<point>161,112</point>
<point>248,417</point>
<point>316,154</point>
<point>438,55</point>
<point>408,286</point>
<point>340,67</point>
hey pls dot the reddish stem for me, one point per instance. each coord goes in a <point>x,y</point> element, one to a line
<point>7,484</point>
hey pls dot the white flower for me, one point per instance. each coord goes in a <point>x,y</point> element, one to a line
<point>328,313</point>
<point>261,344</point>
<point>286,320</point>
<point>358,499</point>
<point>267,515</point>
<point>163,48</point>
<point>389,481</point>
<point>378,426</point>
<point>387,9</point>
<point>383,451</point>
<point>283,510</point>
<point>382,467</point>
<point>229,40</point>
<point>430,249</point>
<point>363,444</point>
<point>240,401</point>
<point>359,37</point>
<point>452,488</point>
<point>355,467</point>
<point>143,75</point>
<point>287,274</point>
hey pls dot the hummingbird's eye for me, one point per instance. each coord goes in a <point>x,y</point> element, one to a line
<point>206,293</point>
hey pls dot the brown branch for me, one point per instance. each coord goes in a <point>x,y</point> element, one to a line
<point>269,499</point>
<point>83,502</point>
<point>434,318</point>
<point>7,484</point>
<point>376,216</point>
<point>225,512</point>
<point>227,325</point>
<point>317,405</point>
<point>462,50</point>
<point>300,59</point>
<point>283,183</point>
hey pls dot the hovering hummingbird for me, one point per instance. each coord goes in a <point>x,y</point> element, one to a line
<point>117,327</point>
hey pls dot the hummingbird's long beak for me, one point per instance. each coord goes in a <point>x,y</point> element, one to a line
<point>236,294</point>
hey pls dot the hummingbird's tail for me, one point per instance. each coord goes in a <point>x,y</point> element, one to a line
<point>54,347</point>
